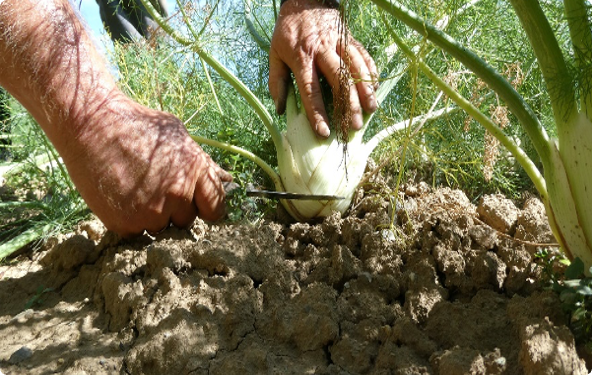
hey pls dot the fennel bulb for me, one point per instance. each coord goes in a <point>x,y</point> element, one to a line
<point>568,178</point>
<point>309,164</point>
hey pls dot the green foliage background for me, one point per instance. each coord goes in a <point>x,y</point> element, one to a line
<point>165,76</point>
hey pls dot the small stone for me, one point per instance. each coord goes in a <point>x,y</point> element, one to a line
<point>20,355</point>
<point>24,316</point>
<point>498,212</point>
<point>388,235</point>
<point>94,229</point>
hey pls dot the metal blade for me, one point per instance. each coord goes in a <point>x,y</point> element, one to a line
<point>271,194</point>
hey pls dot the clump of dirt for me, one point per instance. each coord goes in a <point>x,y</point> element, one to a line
<point>439,292</point>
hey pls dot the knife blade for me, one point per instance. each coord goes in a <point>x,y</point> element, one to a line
<point>271,194</point>
<point>231,187</point>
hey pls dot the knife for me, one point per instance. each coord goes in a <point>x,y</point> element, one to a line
<point>271,194</point>
<point>229,187</point>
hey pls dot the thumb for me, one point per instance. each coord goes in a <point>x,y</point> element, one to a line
<point>209,194</point>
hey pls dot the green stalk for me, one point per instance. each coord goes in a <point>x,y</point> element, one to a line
<point>549,57</point>
<point>566,190</point>
<point>261,42</point>
<point>26,204</point>
<point>485,121</point>
<point>579,25</point>
<point>569,170</point>
<point>212,10</point>
<point>186,20</point>
<point>23,239</point>
<point>243,90</point>
<point>211,86</point>
<point>514,101</point>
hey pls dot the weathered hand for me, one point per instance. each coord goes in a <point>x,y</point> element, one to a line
<point>306,42</point>
<point>139,169</point>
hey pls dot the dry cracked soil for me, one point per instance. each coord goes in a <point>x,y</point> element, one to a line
<point>452,288</point>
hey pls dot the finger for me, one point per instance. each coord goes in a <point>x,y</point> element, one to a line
<point>369,61</point>
<point>152,222</point>
<point>209,193</point>
<point>185,214</point>
<point>362,78</point>
<point>123,231</point>
<point>311,97</point>
<point>355,108</point>
<point>279,78</point>
<point>155,232</point>
<point>156,227</point>
<point>223,175</point>
<point>330,69</point>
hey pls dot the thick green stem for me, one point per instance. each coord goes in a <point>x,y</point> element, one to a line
<point>243,90</point>
<point>579,25</point>
<point>485,121</point>
<point>568,171</point>
<point>549,57</point>
<point>261,42</point>
<point>26,204</point>
<point>23,239</point>
<point>514,101</point>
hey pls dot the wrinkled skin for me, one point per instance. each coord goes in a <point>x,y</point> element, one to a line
<point>306,42</point>
<point>146,172</point>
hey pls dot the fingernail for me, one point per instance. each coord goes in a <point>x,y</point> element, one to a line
<point>323,130</point>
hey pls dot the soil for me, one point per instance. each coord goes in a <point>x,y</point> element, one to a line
<point>451,288</point>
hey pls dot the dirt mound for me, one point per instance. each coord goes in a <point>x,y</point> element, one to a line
<point>439,292</point>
